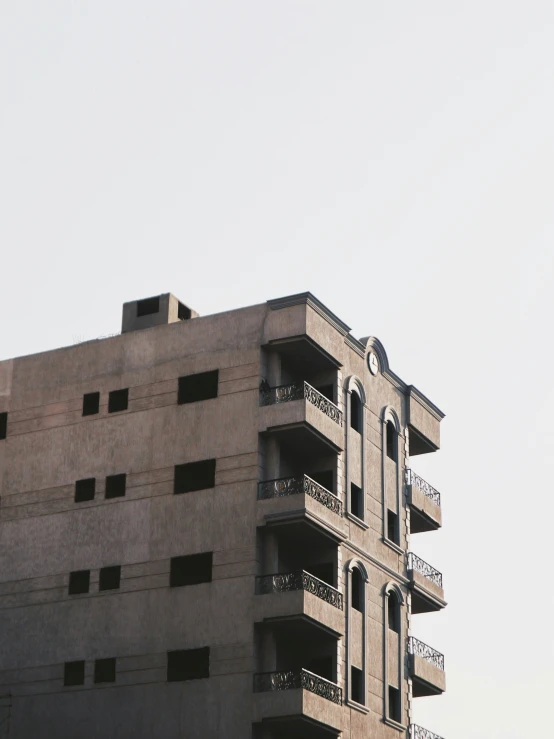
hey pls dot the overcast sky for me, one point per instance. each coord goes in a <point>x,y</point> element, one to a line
<point>394,158</point>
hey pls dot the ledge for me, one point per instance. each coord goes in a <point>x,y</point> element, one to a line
<point>393,546</point>
<point>394,724</point>
<point>358,521</point>
<point>356,706</point>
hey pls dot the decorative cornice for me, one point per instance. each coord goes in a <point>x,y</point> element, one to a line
<point>355,345</point>
<point>315,304</point>
<point>413,392</point>
<point>381,565</point>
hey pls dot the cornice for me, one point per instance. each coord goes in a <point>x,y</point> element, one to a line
<point>348,544</point>
<point>413,392</point>
<point>355,345</point>
<point>315,304</point>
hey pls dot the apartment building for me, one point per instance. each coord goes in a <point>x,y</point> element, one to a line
<point>208,530</point>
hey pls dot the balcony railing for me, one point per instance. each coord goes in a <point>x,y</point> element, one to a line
<point>298,391</point>
<point>428,653</point>
<point>417,732</point>
<point>300,580</point>
<point>295,485</point>
<point>426,489</point>
<point>295,679</point>
<point>417,564</point>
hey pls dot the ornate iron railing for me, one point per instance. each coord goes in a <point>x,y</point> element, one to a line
<point>294,485</point>
<point>297,391</point>
<point>426,489</point>
<point>300,580</point>
<point>417,732</point>
<point>428,653</point>
<point>417,564</point>
<point>295,679</point>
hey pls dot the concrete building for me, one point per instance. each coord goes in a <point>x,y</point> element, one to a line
<point>206,532</point>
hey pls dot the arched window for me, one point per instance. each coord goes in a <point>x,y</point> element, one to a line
<point>357,591</point>
<point>356,412</point>
<point>392,442</point>
<point>393,612</point>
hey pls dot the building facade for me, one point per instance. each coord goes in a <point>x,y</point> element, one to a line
<point>206,530</point>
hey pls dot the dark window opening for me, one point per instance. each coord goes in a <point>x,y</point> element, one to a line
<point>183,313</point>
<point>118,400</point>
<point>116,485</point>
<point>91,404</point>
<point>188,664</point>
<point>3,425</point>
<point>194,476</point>
<point>392,526</point>
<point>104,670</point>
<point>74,673</point>
<point>356,685</point>
<point>110,578</point>
<point>391,441</point>
<point>356,501</point>
<point>79,582</point>
<point>85,489</point>
<point>394,704</point>
<point>148,306</point>
<point>325,478</point>
<point>322,666</point>
<point>191,569</point>
<point>357,590</point>
<point>393,613</point>
<point>356,412</point>
<point>201,386</point>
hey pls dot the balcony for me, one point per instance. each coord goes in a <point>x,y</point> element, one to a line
<point>417,732</point>
<point>299,403</point>
<point>425,504</point>
<point>298,694</point>
<point>426,669</point>
<point>297,593</point>
<point>426,586</point>
<point>299,497</point>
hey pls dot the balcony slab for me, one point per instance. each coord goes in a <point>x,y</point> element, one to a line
<point>428,679</point>
<point>427,595</point>
<point>287,703</point>
<point>301,412</point>
<point>426,515</point>
<point>289,508</point>
<point>274,606</point>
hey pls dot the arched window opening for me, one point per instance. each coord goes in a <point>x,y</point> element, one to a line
<point>393,612</point>
<point>357,590</point>
<point>356,412</point>
<point>391,441</point>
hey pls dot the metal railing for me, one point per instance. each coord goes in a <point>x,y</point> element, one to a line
<point>295,679</point>
<point>298,391</point>
<point>300,580</point>
<point>295,485</point>
<point>426,652</point>
<point>417,732</point>
<point>417,564</point>
<point>426,489</point>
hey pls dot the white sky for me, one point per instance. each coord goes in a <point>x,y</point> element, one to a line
<point>397,160</point>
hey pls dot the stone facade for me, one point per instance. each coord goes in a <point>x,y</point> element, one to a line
<point>283,469</point>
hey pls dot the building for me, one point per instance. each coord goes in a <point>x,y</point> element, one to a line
<point>206,532</point>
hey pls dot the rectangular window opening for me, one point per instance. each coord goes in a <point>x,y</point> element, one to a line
<point>148,306</point>
<point>110,578</point>
<point>104,670</point>
<point>191,569</point>
<point>79,582</point>
<point>74,673</point>
<point>91,404</point>
<point>356,685</point>
<point>391,441</point>
<point>392,526</point>
<point>116,485</point>
<point>3,425</point>
<point>201,386</point>
<point>394,704</point>
<point>183,313</point>
<point>118,400</point>
<point>194,476</point>
<point>85,489</point>
<point>188,664</point>
<point>356,501</point>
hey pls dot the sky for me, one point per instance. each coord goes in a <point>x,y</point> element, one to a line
<point>396,159</point>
